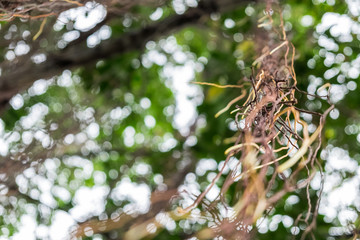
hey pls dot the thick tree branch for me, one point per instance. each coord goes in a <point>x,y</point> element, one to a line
<point>23,73</point>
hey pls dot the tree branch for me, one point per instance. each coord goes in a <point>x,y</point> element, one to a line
<point>20,75</point>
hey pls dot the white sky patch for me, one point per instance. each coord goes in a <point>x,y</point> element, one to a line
<point>80,138</point>
<point>341,26</point>
<point>40,135</point>
<point>89,202</point>
<point>99,177</point>
<point>328,19</point>
<point>93,130</point>
<point>338,28</point>
<point>86,115</point>
<point>328,43</point>
<point>39,87</point>
<point>205,165</point>
<point>351,85</point>
<point>166,220</point>
<point>262,225</point>
<point>85,17</point>
<point>128,136</point>
<point>157,14</point>
<point>17,101</point>
<point>21,48</point>
<point>69,139</point>
<point>42,231</point>
<point>4,147</point>
<point>150,121</point>
<point>10,55</point>
<point>339,159</point>
<point>191,141</point>
<point>337,92</point>
<point>145,103</point>
<point>86,165</point>
<point>229,23</point>
<point>137,194</point>
<point>116,113</point>
<point>179,56</point>
<point>27,228</point>
<point>213,193</point>
<point>61,225</point>
<point>38,58</point>
<point>191,3</point>
<point>43,184</point>
<point>155,57</point>
<point>339,194</point>
<point>61,193</point>
<point>353,73</point>
<point>169,142</point>
<point>339,198</point>
<point>185,112</point>
<point>179,6</point>
<point>104,32</point>
<point>36,113</point>
<point>65,80</point>
<point>226,168</point>
<point>307,21</point>
<point>142,168</point>
<point>189,189</point>
<point>354,7</point>
<point>71,35</point>
<point>178,78</point>
<point>334,114</point>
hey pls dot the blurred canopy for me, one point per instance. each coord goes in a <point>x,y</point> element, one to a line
<point>104,135</point>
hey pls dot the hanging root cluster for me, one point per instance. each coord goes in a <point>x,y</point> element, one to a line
<point>273,143</point>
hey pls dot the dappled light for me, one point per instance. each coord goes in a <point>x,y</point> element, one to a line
<point>178,119</point>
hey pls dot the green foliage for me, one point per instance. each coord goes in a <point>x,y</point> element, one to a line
<point>114,123</point>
